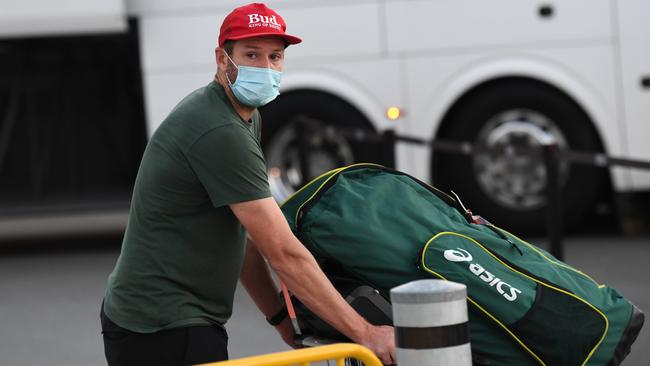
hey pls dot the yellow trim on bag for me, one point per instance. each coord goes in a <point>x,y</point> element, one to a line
<point>524,275</point>
<point>308,184</point>
<point>550,260</point>
<point>335,173</point>
<point>474,302</point>
<point>507,330</point>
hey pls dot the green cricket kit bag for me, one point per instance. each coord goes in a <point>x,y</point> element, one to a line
<point>383,228</point>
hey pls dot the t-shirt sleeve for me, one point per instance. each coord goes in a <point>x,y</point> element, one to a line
<point>228,161</point>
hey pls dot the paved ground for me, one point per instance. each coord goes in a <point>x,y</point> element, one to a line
<point>50,297</point>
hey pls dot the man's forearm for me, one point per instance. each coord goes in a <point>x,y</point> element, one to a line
<point>307,281</point>
<point>257,280</point>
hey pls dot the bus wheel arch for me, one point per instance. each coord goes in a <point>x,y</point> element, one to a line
<point>301,112</point>
<point>509,189</point>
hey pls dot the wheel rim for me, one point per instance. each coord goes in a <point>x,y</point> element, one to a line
<point>325,150</point>
<point>512,179</point>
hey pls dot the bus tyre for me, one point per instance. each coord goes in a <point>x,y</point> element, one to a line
<point>301,141</point>
<point>506,186</point>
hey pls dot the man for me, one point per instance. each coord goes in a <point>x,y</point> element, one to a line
<point>201,186</point>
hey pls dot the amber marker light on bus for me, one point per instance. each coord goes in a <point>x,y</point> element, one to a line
<point>393,113</point>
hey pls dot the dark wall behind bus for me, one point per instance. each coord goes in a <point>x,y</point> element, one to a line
<point>72,125</point>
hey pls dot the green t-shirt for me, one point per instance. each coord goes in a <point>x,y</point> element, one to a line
<point>183,247</point>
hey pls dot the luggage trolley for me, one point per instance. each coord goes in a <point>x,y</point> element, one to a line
<point>365,300</point>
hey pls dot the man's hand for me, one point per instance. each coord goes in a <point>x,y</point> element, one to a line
<point>380,340</point>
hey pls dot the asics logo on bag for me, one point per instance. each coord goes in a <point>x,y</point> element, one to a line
<point>460,255</point>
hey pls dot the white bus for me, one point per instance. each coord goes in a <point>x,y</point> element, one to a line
<point>498,73</point>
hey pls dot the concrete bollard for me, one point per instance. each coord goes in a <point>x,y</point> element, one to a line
<point>430,319</point>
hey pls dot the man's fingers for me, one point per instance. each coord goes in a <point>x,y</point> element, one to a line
<point>382,343</point>
<point>388,359</point>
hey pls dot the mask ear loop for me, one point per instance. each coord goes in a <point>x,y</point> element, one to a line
<point>226,71</point>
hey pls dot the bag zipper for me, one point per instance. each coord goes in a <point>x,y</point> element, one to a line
<point>559,264</point>
<point>478,220</point>
<point>308,204</point>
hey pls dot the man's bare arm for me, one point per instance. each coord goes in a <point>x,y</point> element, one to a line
<point>256,279</point>
<point>300,272</point>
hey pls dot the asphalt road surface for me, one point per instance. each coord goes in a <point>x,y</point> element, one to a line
<point>50,297</point>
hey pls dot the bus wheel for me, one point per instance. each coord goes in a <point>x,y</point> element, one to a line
<point>301,141</point>
<point>508,187</point>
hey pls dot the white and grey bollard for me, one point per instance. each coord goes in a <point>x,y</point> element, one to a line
<point>430,319</point>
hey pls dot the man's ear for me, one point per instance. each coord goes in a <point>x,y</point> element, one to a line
<point>220,58</point>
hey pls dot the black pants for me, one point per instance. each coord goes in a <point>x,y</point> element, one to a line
<point>173,347</point>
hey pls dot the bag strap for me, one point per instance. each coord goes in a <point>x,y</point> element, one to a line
<point>290,309</point>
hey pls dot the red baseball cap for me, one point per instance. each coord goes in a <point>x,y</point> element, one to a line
<point>254,20</point>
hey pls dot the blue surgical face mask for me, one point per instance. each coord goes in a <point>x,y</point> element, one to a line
<point>255,86</point>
